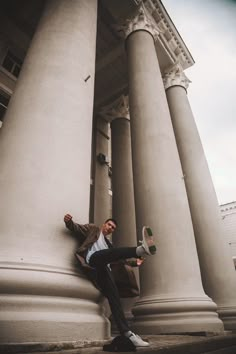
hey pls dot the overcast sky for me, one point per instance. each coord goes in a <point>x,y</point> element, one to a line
<point>208,28</point>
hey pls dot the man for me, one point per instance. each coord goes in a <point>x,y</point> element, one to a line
<point>96,252</point>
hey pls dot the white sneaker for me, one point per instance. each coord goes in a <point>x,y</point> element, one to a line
<point>148,241</point>
<point>137,341</point>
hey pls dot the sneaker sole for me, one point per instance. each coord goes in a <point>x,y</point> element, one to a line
<point>147,232</point>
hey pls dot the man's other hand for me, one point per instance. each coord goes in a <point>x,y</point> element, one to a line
<point>140,261</point>
<point>67,218</point>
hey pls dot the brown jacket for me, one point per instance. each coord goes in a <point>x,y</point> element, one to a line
<point>87,234</point>
<point>124,277</point>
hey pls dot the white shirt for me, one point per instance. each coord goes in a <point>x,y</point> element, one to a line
<point>100,244</point>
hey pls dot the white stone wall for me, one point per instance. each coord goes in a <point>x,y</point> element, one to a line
<point>228,212</point>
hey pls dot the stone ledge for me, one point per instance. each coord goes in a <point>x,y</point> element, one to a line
<point>51,347</point>
<point>160,344</point>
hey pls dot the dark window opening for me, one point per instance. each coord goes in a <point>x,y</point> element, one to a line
<point>12,63</point>
<point>4,100</point>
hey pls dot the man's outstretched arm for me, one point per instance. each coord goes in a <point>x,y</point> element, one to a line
<point>78,229</point>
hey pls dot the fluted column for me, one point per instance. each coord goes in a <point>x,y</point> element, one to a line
<point>218,273</point>
<point>45,152</point>
<point>172,297</point>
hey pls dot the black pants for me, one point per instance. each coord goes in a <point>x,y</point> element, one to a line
<point>99,260</point>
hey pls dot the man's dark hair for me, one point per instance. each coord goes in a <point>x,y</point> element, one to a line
<point>113,220</point>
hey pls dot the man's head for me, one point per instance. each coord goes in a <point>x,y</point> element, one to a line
<point>109,226</point>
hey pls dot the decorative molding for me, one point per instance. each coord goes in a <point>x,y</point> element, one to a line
<point>117,109</point>
<point>37,267</point>
<point>169,36</point>
<point>176,77</point>
<point>151,16</point>
<point>228,208</point>
<point>142,20</point>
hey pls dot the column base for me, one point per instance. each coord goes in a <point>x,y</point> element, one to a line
<point>49,306</point>
<point>228,316</point>
<point>166,316</point>
<point>45,319</point>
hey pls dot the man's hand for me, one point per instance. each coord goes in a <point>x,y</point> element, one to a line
<point>137,262</point>
<point>67,218</point>
<point>140,261</point>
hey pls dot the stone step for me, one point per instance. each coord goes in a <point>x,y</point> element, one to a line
<point>160,344</point>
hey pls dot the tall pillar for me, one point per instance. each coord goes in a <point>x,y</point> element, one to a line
<point>123,209</point>
<point>172,298</point>
<point>101,177</point>
<point>218,273</point>
<point>122,183</point>
<point>45,172</point>
<point>122,174</point>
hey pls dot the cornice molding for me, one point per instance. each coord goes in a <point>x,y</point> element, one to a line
<point>152,16</point>
<point>169,37</point>
<point>117,109</point>
<point>140,21</point>
<point>175,77</point>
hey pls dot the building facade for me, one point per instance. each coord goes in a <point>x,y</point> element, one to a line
<point>228,213</point>
<point>70,69</point>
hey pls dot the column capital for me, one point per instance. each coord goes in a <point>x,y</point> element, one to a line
<point>176,77</point>
<point>117,109</point>
<point>142,20</point>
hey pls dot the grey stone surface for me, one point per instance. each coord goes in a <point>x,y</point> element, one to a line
<point>172,298</point>
<point>45,172</point>
<point>217,268</point>
<point>163,344</point>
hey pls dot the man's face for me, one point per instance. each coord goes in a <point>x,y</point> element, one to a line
<point>108,228</point>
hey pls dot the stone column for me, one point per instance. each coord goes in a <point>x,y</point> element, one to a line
<point>101,178</point>
<point>172,298</point>
<point>122,174</point>
<point>123,209</point>
<point>218,273</point>
<point>45,152</point>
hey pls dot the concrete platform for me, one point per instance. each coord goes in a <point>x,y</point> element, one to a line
<point>160,344</point>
